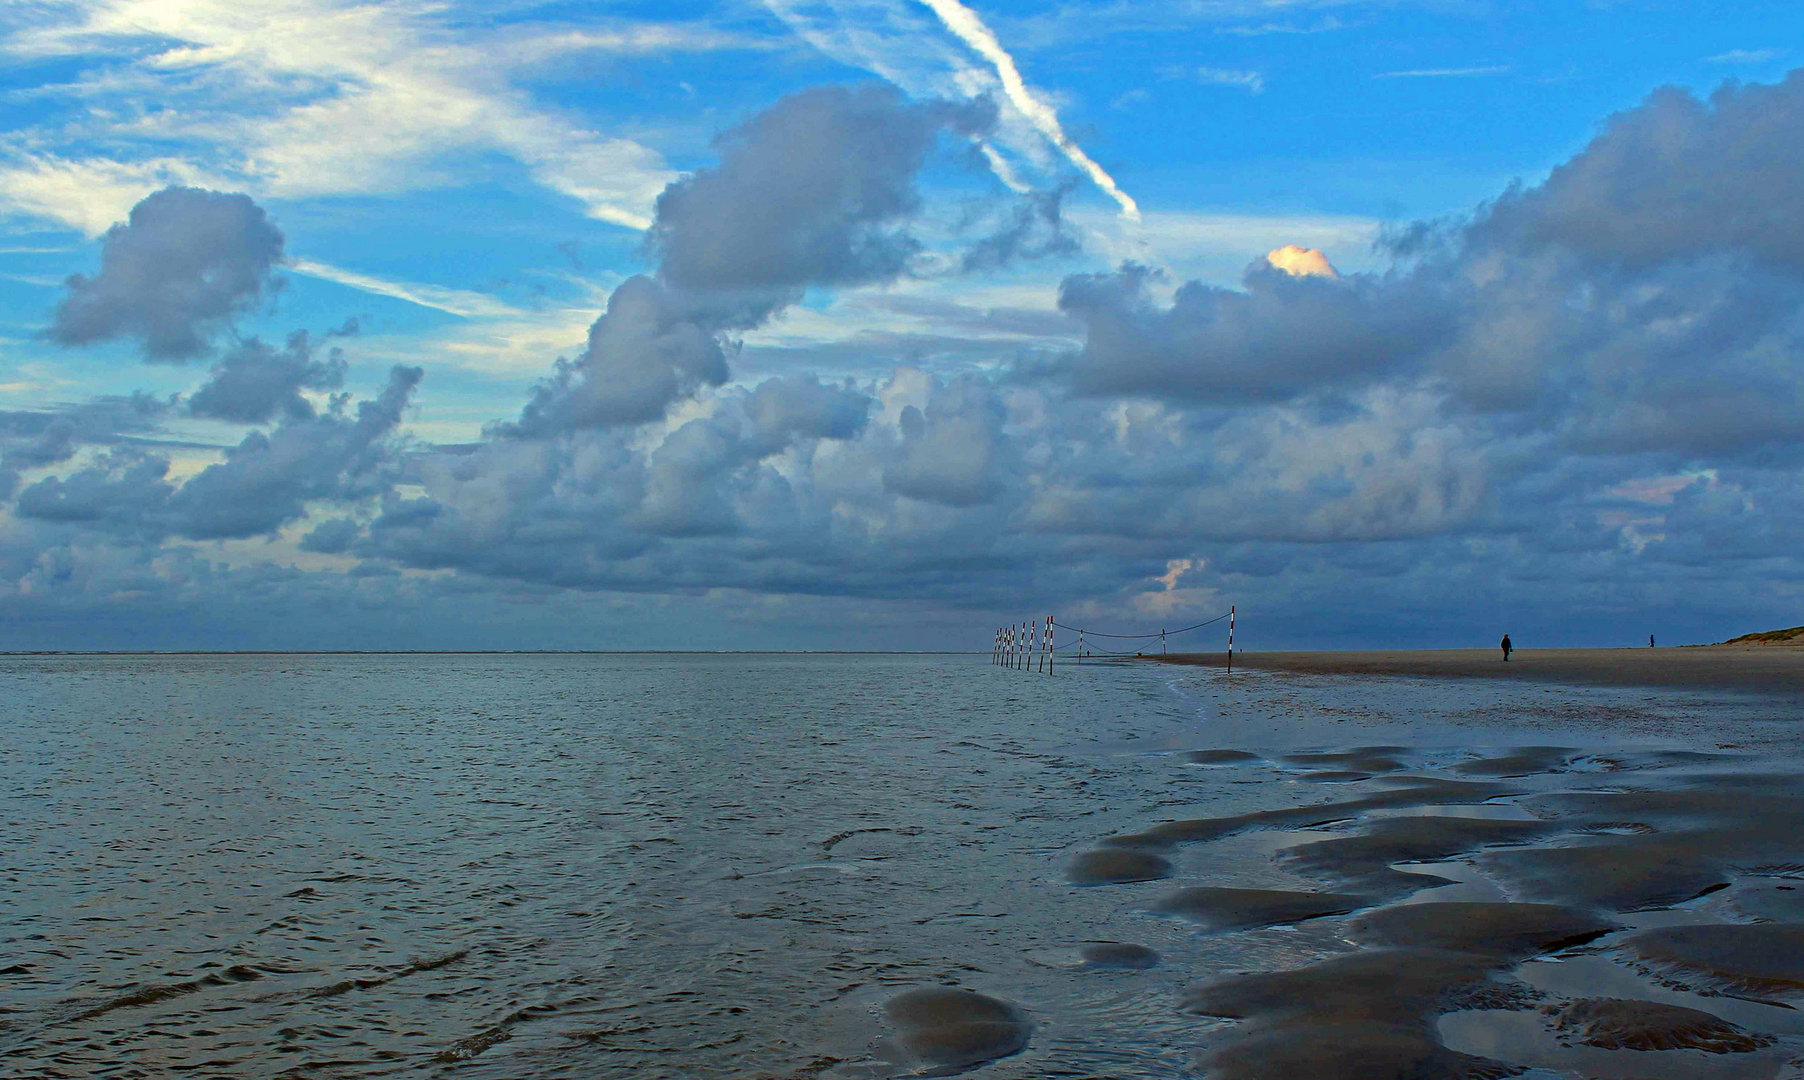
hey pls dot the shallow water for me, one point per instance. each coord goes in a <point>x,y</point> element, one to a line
<point>726,866</point>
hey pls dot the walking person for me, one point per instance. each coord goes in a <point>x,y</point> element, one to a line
<point>1506,648</point>
<point>1650,641</point>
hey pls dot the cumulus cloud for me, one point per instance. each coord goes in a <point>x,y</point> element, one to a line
<point>265,482</point>
<point>808,192</point>
<point>32,439</point>
<point>813,191</point>
<point>648,349</point>
<point>1278,336</point>
<point>184,262</point>
<point>1525,409</point>
<point>1645,297</point>
<point>1675,178</point>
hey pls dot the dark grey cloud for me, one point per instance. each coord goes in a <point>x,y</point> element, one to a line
<point>332,537</point>
<point>183,263</point>
<point>256,381</point>
<point>1277,337</point>
<point>125,493</point>
<point>32,439</point>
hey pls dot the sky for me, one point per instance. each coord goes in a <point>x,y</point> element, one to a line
<point>877,324</point>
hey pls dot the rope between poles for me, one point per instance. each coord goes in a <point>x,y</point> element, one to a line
<point>1154,634</point>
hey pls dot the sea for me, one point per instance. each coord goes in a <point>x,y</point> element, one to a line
<point>713,865</point>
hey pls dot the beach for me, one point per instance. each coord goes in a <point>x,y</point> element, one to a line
<point>1776,668</point>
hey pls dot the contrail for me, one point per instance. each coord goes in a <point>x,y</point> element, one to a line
<point>970,29</point>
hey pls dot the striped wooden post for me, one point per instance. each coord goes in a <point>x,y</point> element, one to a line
<point>1049,644</point>
<point>1230,637</point>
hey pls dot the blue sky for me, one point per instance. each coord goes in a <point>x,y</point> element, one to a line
<point>872,323</point>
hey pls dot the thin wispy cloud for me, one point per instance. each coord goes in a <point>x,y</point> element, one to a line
<point>1252,82</point>
<point>1445,73</point>
<point>1747,56</point>
<point>1320,26</point>
<point>970,29</point>
<point>460,302</point>
<point>291,99</point>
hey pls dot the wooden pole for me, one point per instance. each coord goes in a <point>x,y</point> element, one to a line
<point>1049,644</point>
<point>1230,639</point>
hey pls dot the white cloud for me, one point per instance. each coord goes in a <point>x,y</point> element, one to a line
<point>970,29</point>
<point>301,98</point>
<point>87,195</point>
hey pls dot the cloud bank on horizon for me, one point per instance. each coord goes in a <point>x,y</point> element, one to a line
<point>884,363</point>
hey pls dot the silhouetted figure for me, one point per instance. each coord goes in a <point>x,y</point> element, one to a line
<point>1506,648</point>
<point>1650,641</point>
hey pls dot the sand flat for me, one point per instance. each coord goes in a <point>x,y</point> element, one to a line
<point>1768,668</point>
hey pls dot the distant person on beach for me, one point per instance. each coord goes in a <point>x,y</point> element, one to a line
<point>1506,648</point>
<point>1650,641</point>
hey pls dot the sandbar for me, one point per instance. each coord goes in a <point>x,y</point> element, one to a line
<point>1756,668</point>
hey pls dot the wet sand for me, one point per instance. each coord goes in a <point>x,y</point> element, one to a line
<point>1722,667</point>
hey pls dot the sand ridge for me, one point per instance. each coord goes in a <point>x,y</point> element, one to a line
<point>1606,835</point>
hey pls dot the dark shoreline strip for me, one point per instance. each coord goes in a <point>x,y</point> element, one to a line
<point>1753,668</point>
